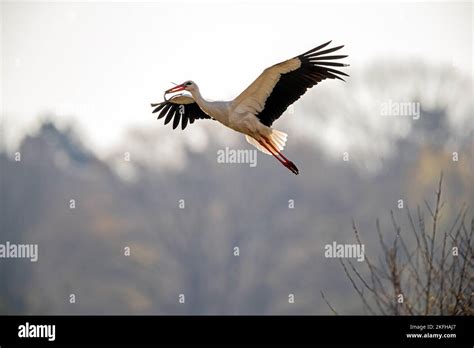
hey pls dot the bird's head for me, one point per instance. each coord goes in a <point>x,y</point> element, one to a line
<point>185,86</point>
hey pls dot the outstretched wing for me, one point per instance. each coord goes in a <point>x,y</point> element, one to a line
<point>282,84</point>
<point>180,108</point>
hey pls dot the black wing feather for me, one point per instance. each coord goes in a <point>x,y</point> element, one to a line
<point>170,114</point>
<point>184,120</point>
<point>177,118</point>
<point>176,111</point>
<point>292,85</point>
<point>163,111</point>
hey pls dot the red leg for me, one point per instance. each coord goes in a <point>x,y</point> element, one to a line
<point>270,150</point>
<point>276,150</point>
<point>289,164</point>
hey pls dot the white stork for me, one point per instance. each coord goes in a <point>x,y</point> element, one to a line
<point>257,107</point>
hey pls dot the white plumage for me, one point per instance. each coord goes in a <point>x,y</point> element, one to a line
<point>260,104</point>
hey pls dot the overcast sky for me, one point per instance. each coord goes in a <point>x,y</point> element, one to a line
<point>103,63</point>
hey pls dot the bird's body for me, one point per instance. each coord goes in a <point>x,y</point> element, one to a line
<point>254,110</point>
<point>227,113</point>
<point>230,115</point>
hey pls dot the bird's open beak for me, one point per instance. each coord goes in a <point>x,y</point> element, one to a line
<point>175,89</point>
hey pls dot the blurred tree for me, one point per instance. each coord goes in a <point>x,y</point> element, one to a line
<point>433,278</point>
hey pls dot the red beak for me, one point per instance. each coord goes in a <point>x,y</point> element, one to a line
<point>175,89</point>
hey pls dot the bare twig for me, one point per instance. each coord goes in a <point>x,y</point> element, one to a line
<point>329,305</point>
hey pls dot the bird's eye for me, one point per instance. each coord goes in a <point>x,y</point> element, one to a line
<point>189,83</point>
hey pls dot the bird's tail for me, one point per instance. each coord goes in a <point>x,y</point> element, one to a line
<point>277,138</point>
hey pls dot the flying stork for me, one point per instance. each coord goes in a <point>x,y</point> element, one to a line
<point>257,107</point>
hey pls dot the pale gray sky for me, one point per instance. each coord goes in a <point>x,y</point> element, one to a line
<point>102,63</point>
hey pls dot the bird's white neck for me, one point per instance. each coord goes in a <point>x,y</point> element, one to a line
<point>196,93</point>
<point>217,110</point>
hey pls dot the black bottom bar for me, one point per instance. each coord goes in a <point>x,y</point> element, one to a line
<point>141,330</point>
